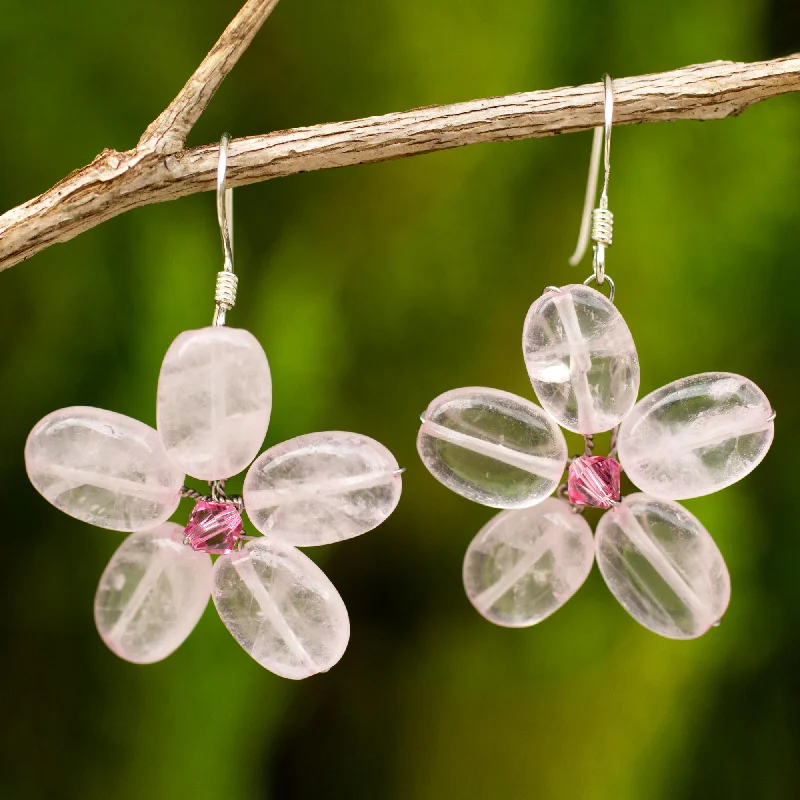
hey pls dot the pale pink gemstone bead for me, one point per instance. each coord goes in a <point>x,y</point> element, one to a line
<point>214,401</point>
<point>492,447</point>
<point>281,608</point>
<point>663,566</point>
<point>103,468</point>
<point>152,594</point>
<point>696,436</point>
<point>321,488</point>
<point>581,359</point>
<point>526,563</point>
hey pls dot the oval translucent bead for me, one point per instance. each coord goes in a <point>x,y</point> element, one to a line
<point>525,564</point>
<point>662,566</point>
<point>581,358</point>
<point>281,608</point>
<point>322,488</point>
<point>696,435</point>
<point>214,401</point>
<point>492,447</point>
<point>103,468</point>
<point>152,594</point>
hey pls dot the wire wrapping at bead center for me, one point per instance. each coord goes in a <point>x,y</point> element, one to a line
<point>216,494</point>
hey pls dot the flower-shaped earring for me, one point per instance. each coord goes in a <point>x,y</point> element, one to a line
<point>687,439</point>
<point>213,408</point>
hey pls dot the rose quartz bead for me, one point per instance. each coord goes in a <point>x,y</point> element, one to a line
<point>281,608</point>
<point>525,564</point>
<point>103,468</point>
<point>662,566</point>
<point>152,594</point>
<point>581,359</point>
<point>492,447</point>
<point>322,488</point>
<point>214,401</point>
<point>696,436</point>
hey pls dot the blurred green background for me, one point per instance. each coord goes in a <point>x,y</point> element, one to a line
<point>373,289</point>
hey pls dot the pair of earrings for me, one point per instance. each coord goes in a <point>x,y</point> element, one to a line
<point>687,439</point>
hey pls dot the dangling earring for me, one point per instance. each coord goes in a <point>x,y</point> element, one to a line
<point>214,402</point>
<point>687,439</point>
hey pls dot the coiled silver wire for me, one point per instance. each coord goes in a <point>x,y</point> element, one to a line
<point>602,226</point>
<point>225,292</point>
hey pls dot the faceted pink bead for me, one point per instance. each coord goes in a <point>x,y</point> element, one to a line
<point>213,527</point>
<point>594,481</point>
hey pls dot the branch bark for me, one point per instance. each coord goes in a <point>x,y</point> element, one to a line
<point>168,132</point>
<point>158,169</point>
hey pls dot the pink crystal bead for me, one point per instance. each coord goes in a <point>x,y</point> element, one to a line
<point>213,527</point>
<point>594,481</point>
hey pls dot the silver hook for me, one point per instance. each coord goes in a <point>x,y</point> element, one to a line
<point>600,219</point>
<point>225,294</point>
<point>608,119</point>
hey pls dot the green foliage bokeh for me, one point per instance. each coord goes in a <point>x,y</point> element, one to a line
<point>373,289</point>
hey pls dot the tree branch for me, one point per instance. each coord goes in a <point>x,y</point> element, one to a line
<point>168,132</point>
<point>116,182</point>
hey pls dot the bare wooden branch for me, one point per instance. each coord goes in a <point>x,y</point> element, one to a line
<point>115,182</point>
<point>168,132</point>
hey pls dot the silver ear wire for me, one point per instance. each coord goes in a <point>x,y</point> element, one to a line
<point>227,282</point>
<point>600,219</point>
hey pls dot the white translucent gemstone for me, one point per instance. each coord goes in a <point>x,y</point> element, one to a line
<point>322,488</point>
<point>525,564</point>
<point>662,566</point>
<point>581,358</point>
<point>281,608</point>
<point>152,594</point>
<point>214,401</point>
<point>492,447</point>
<point>103,468</point>
<point>696,435</point>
